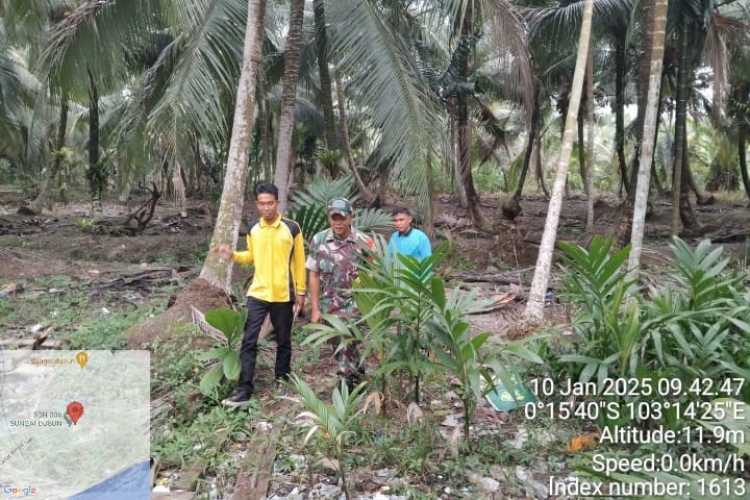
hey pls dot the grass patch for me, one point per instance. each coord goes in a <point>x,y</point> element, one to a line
<point>77,319</point>
<point>5,311</point>
<point>204,437</point>
<point>61,310</point>
<point>105,331</point>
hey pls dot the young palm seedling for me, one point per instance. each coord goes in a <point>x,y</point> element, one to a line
<point>332,423</point>
<point>226,354</point>
<point>459,353</point>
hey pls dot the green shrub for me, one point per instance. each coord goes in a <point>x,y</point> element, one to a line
<point>693,326</point>
<point>226,354</point>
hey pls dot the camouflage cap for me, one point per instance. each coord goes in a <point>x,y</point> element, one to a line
<point>340,206</point>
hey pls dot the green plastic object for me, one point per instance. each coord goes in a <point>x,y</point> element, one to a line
<point>506,399</point>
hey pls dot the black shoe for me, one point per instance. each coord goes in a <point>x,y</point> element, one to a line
<point>239,398</point>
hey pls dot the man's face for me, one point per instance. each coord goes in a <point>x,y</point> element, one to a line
<point>341,225</point>
<point>402,222</point>
<point>267,205</point>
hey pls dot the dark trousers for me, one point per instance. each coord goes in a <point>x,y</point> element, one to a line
<point>281,319</point>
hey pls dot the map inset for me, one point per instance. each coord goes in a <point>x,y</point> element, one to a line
<point>74,424</point>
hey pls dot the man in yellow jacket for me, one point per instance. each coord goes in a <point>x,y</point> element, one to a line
<point>276,247</point>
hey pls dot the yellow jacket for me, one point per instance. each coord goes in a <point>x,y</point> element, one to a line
<point>278,252</point>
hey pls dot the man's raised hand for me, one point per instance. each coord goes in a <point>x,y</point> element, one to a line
<point>224,251</point>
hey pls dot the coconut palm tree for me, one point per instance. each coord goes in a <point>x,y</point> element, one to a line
<point>389,58</point>
<point>18,90</point>
<point>535,306</point>
<point>326,101</point>
<point>289,99</point>
<point>85,53</point>
<point>737,41</point>
<point>658,27</point>
<point>216,271</point>
<point>552,29</point>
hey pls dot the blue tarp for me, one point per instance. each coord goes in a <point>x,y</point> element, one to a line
<point>132,483</point>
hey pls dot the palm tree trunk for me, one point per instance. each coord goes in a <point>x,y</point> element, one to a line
<point>644,77</point>
<point>269,169</point>
<point>590,143</point>
<point>620,68</point>
<point>429,210</point>
<point>383,183</point>
<point>42,199</point>
<point>217,271</point>
<point>292,165</point>
<point>96,178</point>
<point>326,101</point>
<point>464,130</point>
<point>265,132</point>
<point>680,126</point>
<point>344,128</point>
<point>535,305</point>
<point>656,62</point>
<point>742,155</point>
<point>284,152</point>
<point>197,171</point>
<point>511,207</point>
<point>464,156</point>
<point>581,151</point>
<point>455,162</point>
<point>657,181</point>
<point>660,189</point>
<point>540,167</point>
<point>687,214</point>
<point>700,197</point>
<point>533,133</point>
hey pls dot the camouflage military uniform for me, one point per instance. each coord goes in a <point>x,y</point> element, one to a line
<point>336,262</point>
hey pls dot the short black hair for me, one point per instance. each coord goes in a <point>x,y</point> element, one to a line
<point>267,188</point>
<point>401,210</point>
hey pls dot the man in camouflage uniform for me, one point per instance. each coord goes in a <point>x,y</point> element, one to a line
<point>333,260</point>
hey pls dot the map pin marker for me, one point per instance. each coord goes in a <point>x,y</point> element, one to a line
<point>82,358</point>
<point>75,410</point>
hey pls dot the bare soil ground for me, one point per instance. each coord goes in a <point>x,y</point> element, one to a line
<point>89,247</point>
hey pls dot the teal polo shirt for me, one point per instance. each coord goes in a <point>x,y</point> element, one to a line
<point>414,243</point>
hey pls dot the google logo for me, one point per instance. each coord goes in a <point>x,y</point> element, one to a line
<point>16,492</point>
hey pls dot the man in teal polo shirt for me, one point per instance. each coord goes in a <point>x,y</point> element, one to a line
<point>408,240</point>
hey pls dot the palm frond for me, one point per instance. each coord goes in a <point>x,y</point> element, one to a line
<point>511,45</point>
<point>308,207</point>
<point>123,127</point>
<point>322,190</point>
<point>311,219</point>
<point>562,22</point>
<point>373,220</point>
<point>10,97</point>
<point>387,80</point>
<point>198,91</point>
<point>17,83</point>
<point>716,55</point>
<point>93,37</point>
<point>25,20</point>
